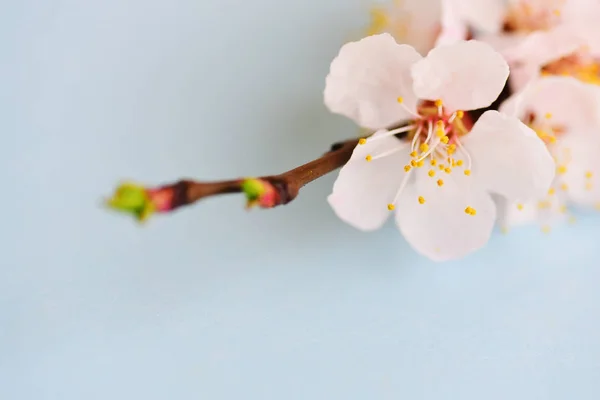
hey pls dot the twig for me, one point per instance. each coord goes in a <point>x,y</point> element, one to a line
<point>265,192</point>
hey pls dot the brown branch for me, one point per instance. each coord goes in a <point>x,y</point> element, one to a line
<point>266,192</point>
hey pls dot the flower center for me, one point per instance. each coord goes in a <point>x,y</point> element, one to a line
<point>578,66</point>
<point>528,16</point>
<point>550,132</point>
<point>434,139</point>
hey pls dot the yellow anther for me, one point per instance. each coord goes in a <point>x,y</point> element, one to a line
<point>548,115</point>
<point>407,168</point>
<point>467,172</point>
<point>362,141</point>
<point>440,182</point>
<point>564,187</point>
<point>368,157</point>
<point>470,211</point>
<point>424,147</point>
<point>413,154</point>
<point>589,174</point>
<point>451,148</point>
<point>445,139</point>
<point>421,200</point>
<point>391,207</point>
<point>431,173</point>
<point>440,133</point>
<point>413,163</point>
<point>552,139</point>
<point>543,204</point>
<point>420,163</point>
<point>442,166</point>
<point>440,124</point>
<point>551,191</point>
<point>447,170</point>
<point>400,99</point>
<point>460,114</point>
<point>520,207</point>
<point>433,162</point>
<point>438,103</point>
<point>459,163</point>
<point>562,169</point>
<point>556,12</point>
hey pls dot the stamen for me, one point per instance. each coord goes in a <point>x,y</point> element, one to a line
<point>391,207</point>
<point>440,182</point>
<point>421,200</point>
<point>469,161</point>
<point>387,134</point>
<point>389,152</point>
<point>408,110</point>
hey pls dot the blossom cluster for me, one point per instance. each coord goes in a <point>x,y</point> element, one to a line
<point>482,113</point>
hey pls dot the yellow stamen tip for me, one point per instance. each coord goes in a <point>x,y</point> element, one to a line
<point>520,207</point>
<point>391,207</point>
<point>431,173</point>
<point>407,168</point>
<point>460,114</point>
<point>548,115</point>
<point>433,162</point>
<point>400,99</point>
<point>467,172</point>
<point>420,163</point>
<point>445,139</point>
<point>440,182</point>
<point>551,191</point>
<point>362,141</point>
<point>440,133</point>
<point>447,170</point>
<point>562,169</point>
<point>589,174</point>
<point>413,154</point>
<point>421,200</point>
<point>438,103</point>
<point>440,124</point>
<point>459,163</point>
<point>413,163</point>
<point>424,147</point>
<point>564,187</point>
<point>368,158</point>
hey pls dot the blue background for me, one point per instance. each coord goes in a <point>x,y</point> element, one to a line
<point>214,302</point>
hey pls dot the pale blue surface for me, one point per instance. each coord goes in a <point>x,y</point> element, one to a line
<point>216,303</point>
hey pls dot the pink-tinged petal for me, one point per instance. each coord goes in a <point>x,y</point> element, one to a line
<point>440,228</point>
<point>508,157</point>
<point>484,15</point>
<point>412,22</point>
<point>454,29</point>
<point>568,102</point>
<point>582,174</point>
<point>466,75</point>
<point>364,189</point>
<point>542,47</point>
<point>366,79</point>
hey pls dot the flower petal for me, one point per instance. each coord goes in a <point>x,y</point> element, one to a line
<point>508,157</point>
<point>440,228</point>
<point>465,75</point>
<point>366,79</point>
<point>570,103</point>
<point>483,15</point>
<point>363,189</point>
<point>454,29</point>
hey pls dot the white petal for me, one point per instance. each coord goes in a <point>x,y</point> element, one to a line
<point>583,151</point>
<point>513,214</point>
<point>366,79</point>
<point>508,157</point>
<point>440,228</point>
<point>571,103</point>
<point>465,75</point>
<point>363,189</point>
